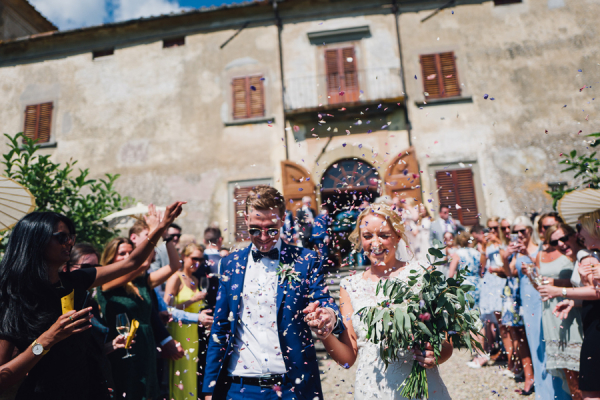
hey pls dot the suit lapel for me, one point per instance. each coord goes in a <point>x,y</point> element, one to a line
<point>237,282</point>
<point>286,257</point>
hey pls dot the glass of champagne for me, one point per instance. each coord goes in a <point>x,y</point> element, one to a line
<point>171,304</point>
<point>203,283</point>
<point>123,327</point>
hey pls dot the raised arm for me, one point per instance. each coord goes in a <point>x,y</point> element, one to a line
<point>343,349</point>
<point>161,275</point>
<point>141,253</point>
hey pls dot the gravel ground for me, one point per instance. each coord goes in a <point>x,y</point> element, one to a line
<point>463,382</point>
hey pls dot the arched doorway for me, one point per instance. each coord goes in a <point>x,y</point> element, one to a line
<point>344,186</point>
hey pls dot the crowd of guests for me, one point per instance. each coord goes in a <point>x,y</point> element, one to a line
<point>535,281</point>
<point>536,289</point>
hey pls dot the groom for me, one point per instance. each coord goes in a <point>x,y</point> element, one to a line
<point>260,346</point>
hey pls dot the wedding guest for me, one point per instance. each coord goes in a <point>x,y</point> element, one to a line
<point>378,231</point>
<point>589,385</point>
<point>321,235</point>
<point>468,260</point>
<point>445,223</point>
<point>563,338</point>
<point>212,257</point>
<point>257,338</point>
<point>546,221</point>
<point>161,257</point>
<point>55,356</point>
<point>136,377</point>
<point>449,250</point>
<point>506,230</point>
<point>492,286</point>
<point>514,291</point>
<point>182,292</point>
<point>306,218</point>
<point>290,230</point>
<point>421,248</point>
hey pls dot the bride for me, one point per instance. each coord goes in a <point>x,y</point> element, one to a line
<point>378,231</point>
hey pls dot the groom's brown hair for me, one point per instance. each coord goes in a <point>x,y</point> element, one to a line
<point>264,197</point>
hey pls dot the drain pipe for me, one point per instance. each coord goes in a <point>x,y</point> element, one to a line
<point>396,11</point>
<point>279,29</point>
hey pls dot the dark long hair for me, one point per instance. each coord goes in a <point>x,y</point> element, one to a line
<point>26,294</point>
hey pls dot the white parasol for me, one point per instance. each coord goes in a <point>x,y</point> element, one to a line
<point>15,202</point>
<point>138,211</point>
<point>573,204</point>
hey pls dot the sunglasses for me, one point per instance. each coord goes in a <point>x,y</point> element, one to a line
<point>547,226</point>
<point>257,232</point>
<point>64,237</point>
<point>86,265</point>
<point>523,231</point>
<point>494,228</point>
<point>198,259</point>
<point>563,239</point>
<point>504,228</point>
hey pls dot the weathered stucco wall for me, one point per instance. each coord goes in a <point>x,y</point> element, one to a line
<point>526,56</point>
<point>159,117</point>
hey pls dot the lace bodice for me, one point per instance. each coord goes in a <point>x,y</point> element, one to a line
<point>373,380</point>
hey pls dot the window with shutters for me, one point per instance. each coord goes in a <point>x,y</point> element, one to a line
<point>456,189</point>
<point>38,122</point>
<point>440,79</point>
<point>342,75</point>
<point>248,97</point>
<point>239,197</point>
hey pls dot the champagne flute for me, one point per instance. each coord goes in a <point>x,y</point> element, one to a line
<point>171,304</point>
<point>123,327</point>
<point>204,284</point>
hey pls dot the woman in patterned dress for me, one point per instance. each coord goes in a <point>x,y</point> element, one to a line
<point>512,316</point>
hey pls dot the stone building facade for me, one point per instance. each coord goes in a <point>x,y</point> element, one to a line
<point>18,18</point>
<point>334,99</point>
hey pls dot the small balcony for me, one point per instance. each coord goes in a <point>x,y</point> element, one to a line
<point>352,88</point>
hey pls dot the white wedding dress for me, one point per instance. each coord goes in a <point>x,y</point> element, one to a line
<point>373,380</point>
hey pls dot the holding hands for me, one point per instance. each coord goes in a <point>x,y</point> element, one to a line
<point>321,320</point>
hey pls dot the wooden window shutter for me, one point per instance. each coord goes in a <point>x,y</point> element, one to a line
<point>248,97</point>
<point>342,75</point>
<point>456,187</point>
<point>256,97</point>
<point>239,196</point>
<point>440,77</point>
<point>38,122</point>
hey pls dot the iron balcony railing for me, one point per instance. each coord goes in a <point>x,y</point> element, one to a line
<point>352,87</point>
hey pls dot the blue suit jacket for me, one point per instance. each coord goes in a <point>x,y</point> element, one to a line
<point>294,334</point>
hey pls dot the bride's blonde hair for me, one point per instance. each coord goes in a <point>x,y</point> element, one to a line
<point>391,216</point>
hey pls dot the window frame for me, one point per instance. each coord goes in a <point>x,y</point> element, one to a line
<point>50,141</point>
<point>352,96</point>
<point>440,76</point>
<point>248,116</point>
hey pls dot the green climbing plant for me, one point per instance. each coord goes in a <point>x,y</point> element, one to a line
<point>61,189</point>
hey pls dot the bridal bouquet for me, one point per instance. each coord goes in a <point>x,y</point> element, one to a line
<point>427,309</point>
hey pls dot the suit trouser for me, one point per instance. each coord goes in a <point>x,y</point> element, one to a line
<point>241,391</point>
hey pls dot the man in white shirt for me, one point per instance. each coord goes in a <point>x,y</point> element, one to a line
<point>260,346</point>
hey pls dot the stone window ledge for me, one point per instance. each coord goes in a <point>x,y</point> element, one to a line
<point>444,101</point>
<point>248,121</point>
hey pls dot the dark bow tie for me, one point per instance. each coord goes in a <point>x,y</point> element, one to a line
<point>273,254</point>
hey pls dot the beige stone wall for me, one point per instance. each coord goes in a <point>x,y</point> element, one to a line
<point>527,57</point>
<point>378,62</point>
<point>159,117</point>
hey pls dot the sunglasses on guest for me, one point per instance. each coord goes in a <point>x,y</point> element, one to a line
<point>64,237</point>
<point>563,239</point>
<point>494,228</point>
<point>522,231</point>
<point>198,259</point>
<point>257,232</point>
<point>86,265</point>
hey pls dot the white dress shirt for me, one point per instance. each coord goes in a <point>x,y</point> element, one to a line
<point>256,347</point>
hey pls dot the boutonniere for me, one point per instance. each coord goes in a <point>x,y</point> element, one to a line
<point>287,272</point>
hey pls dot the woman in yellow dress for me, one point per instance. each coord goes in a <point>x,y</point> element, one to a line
<point>182,292</point>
